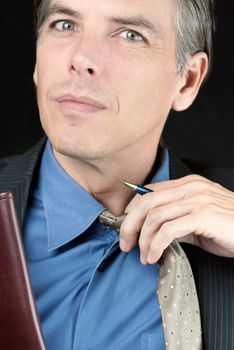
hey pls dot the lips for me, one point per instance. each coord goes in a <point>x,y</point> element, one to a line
<point>80,104</point>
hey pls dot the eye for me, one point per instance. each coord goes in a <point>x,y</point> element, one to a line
<point>132,35</point>
<point>64,25</point>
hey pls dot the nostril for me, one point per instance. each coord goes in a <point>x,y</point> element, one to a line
<point>91,71</point>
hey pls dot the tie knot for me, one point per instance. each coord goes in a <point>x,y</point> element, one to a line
<point>110,220</point>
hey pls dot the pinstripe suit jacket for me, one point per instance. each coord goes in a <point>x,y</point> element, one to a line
<point>214,275</point>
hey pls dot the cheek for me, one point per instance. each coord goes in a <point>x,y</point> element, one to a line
<point>50,64</point>
<point>144,90</point>
<point>141,76</point>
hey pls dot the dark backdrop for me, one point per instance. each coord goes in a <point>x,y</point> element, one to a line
<point>203,133</point>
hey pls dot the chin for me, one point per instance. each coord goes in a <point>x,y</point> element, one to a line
<point>85,151</point>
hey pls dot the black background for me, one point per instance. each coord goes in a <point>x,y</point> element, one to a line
<point>203,133</point>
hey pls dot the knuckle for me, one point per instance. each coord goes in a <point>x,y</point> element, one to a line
<point>167,230</point>
<point>196,178</point>
<point>152,216</point>
<point>204,197</point>
<point>197,182</point>
<point>210,208</point>
<point>217,185</point>
<point>205,211</point>
<point>144,202</point>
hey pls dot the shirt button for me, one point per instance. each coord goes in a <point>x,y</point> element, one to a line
<point>101,267</point>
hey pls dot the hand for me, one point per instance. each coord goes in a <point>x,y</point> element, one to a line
<point>191,209</point>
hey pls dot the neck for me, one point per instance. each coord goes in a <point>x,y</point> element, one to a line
<point>103,178</point>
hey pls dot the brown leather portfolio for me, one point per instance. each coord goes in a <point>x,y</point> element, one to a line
<point>19,323</point>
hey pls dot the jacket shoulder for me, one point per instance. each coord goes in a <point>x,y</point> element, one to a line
<point>17,173</point>
<point>15,168</point>
<point>224,175</point>
<point>7,160</point>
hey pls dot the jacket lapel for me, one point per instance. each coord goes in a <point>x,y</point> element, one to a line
<point>17,177</point>
<point>177,167</point>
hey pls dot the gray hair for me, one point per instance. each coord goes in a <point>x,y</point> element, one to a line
<point>194,22</point>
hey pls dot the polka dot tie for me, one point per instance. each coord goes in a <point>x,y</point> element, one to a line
<point>178,301</point>
<point>176,294</point>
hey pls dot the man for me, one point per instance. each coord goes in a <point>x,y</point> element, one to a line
<point>107,76</point>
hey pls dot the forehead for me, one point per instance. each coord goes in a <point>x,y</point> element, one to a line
<point>157,11</point>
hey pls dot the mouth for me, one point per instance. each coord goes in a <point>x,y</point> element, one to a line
<point>82,104</point>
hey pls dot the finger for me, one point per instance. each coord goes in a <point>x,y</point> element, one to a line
<point>171,230</point>
<point>209,193</point>
<point>168,191</point>
<point>153,202</point>
<point>134,220</point>
<point>132,203</point>
<point>157,217</point>
<point>156,187</point>
<point>186,180</point>
<point>192,184</point>
<point>132,224</point>
<point>147,219</point>
<point>156,198</point>
<point>129,233</point>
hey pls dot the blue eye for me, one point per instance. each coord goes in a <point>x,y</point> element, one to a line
<point>64,25</point>
<point>131,35</point>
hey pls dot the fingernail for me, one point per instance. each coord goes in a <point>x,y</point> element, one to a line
<point>150,259</point>
<point>143,260</point>
<point>123,245</point>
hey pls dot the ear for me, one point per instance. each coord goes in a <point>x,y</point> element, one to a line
<point>191,81</point>
<point>35,75</point>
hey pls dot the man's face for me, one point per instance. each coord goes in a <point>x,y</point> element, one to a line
<point>106,75</point>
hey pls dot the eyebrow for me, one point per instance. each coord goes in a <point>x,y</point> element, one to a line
<point>138,22</point>
<point>54,10</point>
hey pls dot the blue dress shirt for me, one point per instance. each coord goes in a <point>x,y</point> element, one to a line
<point>89,294</point>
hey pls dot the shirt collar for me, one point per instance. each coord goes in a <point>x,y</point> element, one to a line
<point>69,208</point>
<point>162,173</point>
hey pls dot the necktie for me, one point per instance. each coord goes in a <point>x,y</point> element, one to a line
<point>176,294</point>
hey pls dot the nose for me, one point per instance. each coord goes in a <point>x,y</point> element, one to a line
<point>87,58</point>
